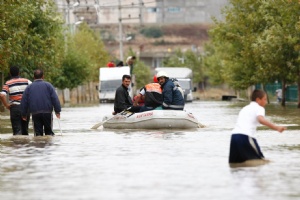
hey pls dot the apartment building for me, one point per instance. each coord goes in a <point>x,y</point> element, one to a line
<point>162,12</point>
<point>141,11</point>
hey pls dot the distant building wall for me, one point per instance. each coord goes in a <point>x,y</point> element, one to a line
<point>143,11</point>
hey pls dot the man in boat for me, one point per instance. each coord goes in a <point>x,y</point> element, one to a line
<point>175,81</point>
<point>138,101</point>
<point>122,99</point>
<point>153,96</point>
<point>172,97</point>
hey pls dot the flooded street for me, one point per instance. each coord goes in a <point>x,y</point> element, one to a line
<point>150,164</point>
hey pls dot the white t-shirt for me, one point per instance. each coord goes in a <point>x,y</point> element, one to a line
<point>279,93</point>
<point>247,119</point>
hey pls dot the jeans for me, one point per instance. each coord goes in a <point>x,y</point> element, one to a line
<point>19,126</point>
<point>42,122</point>
<point>145,108</point>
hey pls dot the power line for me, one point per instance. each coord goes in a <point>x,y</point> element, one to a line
<point>130,4</point>
<point>113,5</point>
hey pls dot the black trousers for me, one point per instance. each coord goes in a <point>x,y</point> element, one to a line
<point>19,126</point>
<point>135,109</point>
<point>42,123</point>
<point>243,148</point>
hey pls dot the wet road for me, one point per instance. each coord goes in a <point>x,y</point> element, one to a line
<point>151,164</point>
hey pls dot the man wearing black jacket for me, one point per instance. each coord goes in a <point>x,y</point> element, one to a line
<point>122,99</point>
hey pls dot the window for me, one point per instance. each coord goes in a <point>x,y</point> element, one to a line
<point>153,10</point>
<point>173,9</point>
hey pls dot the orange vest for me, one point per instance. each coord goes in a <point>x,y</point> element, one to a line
<point>153,95</point>
<point>153,87</point>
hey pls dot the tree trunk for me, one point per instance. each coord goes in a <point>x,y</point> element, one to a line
<point>78,97</point>
<point>283,93</point>
<point>264,89</point>
<point>63,97</point>
<point>298,90</point>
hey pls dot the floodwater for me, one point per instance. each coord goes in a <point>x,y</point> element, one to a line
<point>97,164</point>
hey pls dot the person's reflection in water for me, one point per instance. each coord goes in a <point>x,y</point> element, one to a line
<point>25,141</point>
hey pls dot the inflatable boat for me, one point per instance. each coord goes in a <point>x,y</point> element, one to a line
<point>154,119</point>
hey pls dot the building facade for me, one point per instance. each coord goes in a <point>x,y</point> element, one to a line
<point>141,11</point>
<point>97,13</point>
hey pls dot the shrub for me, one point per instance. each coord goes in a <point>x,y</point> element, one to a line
<point>152,32</point>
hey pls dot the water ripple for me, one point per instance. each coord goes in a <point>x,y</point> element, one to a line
<point>146,164</point>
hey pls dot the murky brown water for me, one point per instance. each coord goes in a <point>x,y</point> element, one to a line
<point>154,164</point>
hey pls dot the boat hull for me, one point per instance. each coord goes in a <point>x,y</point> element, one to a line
<point>155,119</point>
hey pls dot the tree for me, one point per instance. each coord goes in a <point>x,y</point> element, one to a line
<point>141,72</point>
<point>261,41</point>
<point>89,44</point>
<point>232,41</point>
<point>281,38</point>
<point>73,70</point>
<point>213,65</point>
<point>30,36</point>
<point>189,59</point>
<point>14,20</point>
<point>84,55</point>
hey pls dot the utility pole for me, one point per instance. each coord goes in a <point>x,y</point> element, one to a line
<point>141,4</point>
<point>120,31</point>
<point>163,11</point>
<point>97,8</point>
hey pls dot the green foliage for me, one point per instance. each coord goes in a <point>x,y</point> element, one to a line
<point>213,65</point>
<point>89,44</point>
<point>189,59</point>
<point>152,32</point>
<point>85,54</point>
<point>141,71</point>
<point>257,43</point>
<point>176,60</point>
<point>13,29</point>
<point>73,71</point>
<point>30,36</point>
<point>161,42</point>
<point>142,74</point>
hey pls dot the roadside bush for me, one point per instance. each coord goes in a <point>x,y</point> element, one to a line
<point>152,32</point>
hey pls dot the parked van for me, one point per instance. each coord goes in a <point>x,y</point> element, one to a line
<point>184,76</point>
<point>110,78</point>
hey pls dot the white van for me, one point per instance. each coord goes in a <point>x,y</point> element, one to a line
<point>110,78</point>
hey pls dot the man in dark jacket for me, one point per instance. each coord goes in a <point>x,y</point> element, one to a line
<point>172,97</point>
<point>122,99</point>
<point>40,99</point>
